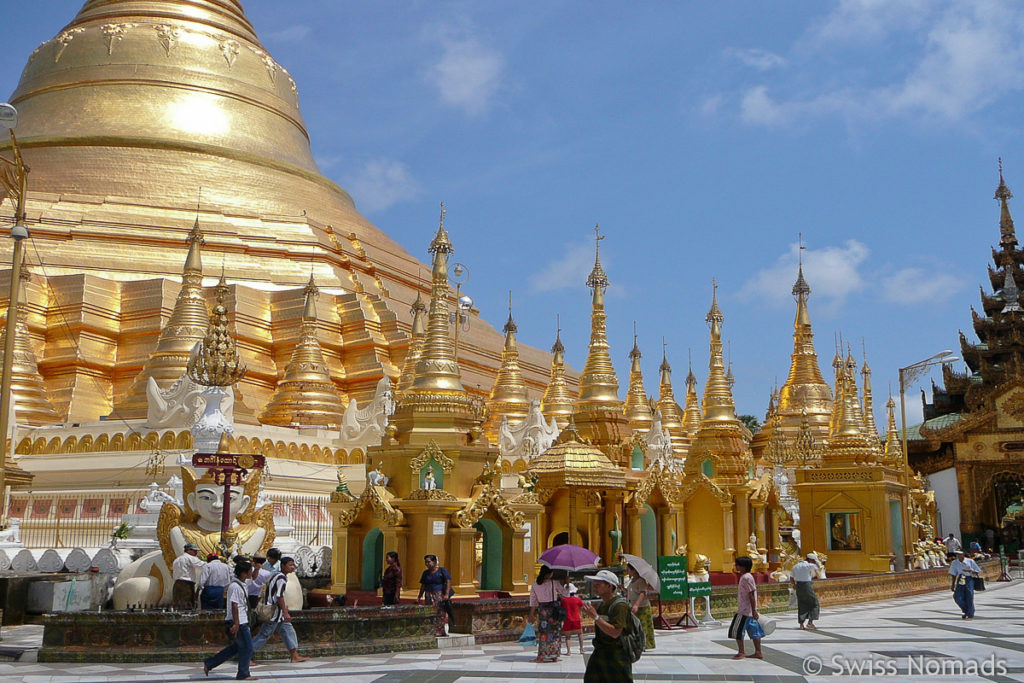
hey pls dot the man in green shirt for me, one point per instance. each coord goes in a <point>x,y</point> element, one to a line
<point>609,663</point>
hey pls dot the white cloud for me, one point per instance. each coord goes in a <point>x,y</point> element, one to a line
<point>756,58</point>
<point>468,74</point>
<point>953,60</point>
<point>381,183</point>
<point>832,272</point>
<point>914,285</point>
<point>709,106</point>
<point>289,34</point>
<point>569,270</point>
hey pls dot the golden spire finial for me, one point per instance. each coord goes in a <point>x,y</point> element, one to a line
<point>217,362</point>
<point>718,401</point>
<point>870,429</point>
<point>597,278</point>
<point>437,369</point>
<point>599,387</point>
<point>671,413</point>
<point>893,447</point>
<point>508,397</point>
<point>636,408</point>
<point>692,414</point>
<point>306,395</point>
<point>557,400</point>
<point>186,326</point>
<point>1007,236</point>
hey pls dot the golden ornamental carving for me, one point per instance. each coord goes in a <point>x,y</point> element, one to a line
<point>702,481</point>
<point>670,488</point>
<point>230,49</point>
<point>114,33</point>
<point>526,498</point>
<point>543,494</point>
<point>432,451</point>
<point>168,36</point>
<point>65,39</point>
<point>487,497</point>
<point>379,500</point>
<point>217,362</point>
<point>430,494</point>
<point>1015,406</point>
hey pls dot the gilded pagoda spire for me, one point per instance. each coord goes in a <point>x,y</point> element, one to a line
<point>805,390</point>
<point>1007,235</point>
<point>28,391</point>
<point>186,327</point>
<point>437,370</point>
<point>637,409</point>
<point>692,413</point>
<point>305,395</point>
<point>508,395</point>
<point>847,442</point>
<point>718,401</point>
<point>893,447</point>
<point>671,413</point>
<point>415,346</point>
<point>599,387</point>
<point>870,430</point>
<point>557,400</point>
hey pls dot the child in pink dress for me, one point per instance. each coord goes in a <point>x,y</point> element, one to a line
<point>572,624</point>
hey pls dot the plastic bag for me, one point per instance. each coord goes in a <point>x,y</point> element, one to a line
<point>529,636</point>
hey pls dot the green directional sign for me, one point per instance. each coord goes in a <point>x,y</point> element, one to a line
<point>672,571</point>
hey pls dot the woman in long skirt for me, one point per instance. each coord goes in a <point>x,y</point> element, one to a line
<point>436,586</point>
<point>636,593</point>
<point>807,607</point>
<point>545,596</point>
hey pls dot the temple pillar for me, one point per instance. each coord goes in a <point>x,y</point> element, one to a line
<point>760,525</point>
<point>681,540</point>
<point>612,507</point>
<point>728,528</point>
<point>666,541</point>
<point>516,569</point>
<point>394,541</point>
<point>339,561</point>
<point>634,540</point>
<point>741,518</point>
<point>461,560</point>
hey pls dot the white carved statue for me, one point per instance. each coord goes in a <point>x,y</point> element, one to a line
<point>147,580</point>
<point>156,498</point>
<point>376,477</point>
<point>659,443</point>
<point>529,437</point>
<point>179,405</point>
<point>429,483</point>
<point>361,428</point>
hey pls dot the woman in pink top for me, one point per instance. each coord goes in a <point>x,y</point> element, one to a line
<point>745,620</point>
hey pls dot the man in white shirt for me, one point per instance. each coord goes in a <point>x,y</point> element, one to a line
<point>952,545</point>
<point>213,580</point>
<point>281,621</point>
<point>807,605</point>
<point>183,572</point>
<point>964,570</point>
<point>237,623</point>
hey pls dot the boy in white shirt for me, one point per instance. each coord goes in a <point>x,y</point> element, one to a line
<point>236,621</point>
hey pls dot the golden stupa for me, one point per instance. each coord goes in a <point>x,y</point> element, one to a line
<point>142,118</point>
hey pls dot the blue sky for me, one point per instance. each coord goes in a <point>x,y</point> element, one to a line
<point>702,136</point>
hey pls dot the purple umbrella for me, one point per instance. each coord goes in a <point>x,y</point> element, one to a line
<point>569,557</point>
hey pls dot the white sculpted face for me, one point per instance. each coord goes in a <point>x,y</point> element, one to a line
<point>208,502</point>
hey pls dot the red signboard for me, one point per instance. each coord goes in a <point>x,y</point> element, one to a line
<point>243,461</point>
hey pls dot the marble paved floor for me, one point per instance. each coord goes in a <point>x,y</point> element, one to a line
<point>919,638</point>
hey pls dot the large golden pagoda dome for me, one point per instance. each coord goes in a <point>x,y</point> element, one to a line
<point>143,118</point>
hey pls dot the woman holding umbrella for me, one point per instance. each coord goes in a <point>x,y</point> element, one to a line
<point>545,608</point>
<point>636,593</point>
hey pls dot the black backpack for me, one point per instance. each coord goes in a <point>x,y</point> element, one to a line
<point>632,639</point>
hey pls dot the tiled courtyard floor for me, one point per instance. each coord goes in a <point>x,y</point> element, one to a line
<point>920,638</point>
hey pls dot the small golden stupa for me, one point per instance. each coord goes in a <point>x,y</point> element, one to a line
<point>557,401</point>
<point>637,408</point>
<point>508,397</point>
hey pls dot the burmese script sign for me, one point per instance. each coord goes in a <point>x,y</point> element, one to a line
<point>700,589</point>
<point>229,469</point>
<point>672,572</point>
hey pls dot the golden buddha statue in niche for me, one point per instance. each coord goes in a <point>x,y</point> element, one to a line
<point>251,532</point>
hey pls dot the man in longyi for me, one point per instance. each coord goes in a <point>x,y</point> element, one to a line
<point>185,571</point>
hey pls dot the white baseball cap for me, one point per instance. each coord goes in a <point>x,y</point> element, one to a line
<point>606,576</point>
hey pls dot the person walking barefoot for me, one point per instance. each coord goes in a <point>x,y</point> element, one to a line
<point>281,621</point>
<point>745,620</point>
<point>237,624</point>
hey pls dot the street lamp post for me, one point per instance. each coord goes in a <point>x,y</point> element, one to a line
<point>463,304</point>
<point>13,183</point>
<point>909,374</point>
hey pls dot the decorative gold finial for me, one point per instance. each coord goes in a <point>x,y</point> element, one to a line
<point>636,409</point>
<point>557,400</point>
<point>597,278</point>
<point>217,363</point>
<point>441,243</point>
<point>508,398</point>
<point>671,412</point>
